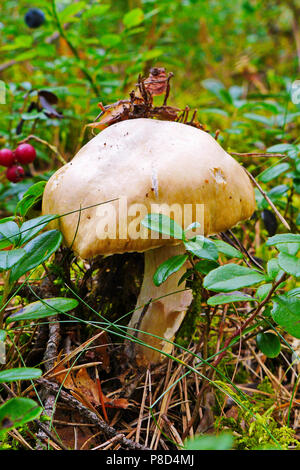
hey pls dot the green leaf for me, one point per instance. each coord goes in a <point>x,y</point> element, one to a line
<point>37,250</point>
<point>95,11</point>
<point>277,192</point>
<point>9,234</point>
<point>290,264</point>
<point>30,197</point>
<point>227,249</point>
<point>42,309</point>
<point>259,118</point>
<point>10,257</point>
<point>202,247</point>
<point>235,296</point>
<point>169,267</point>
<point>289,248</point>
<point>273,172</point>
<point>268,344</point>
<point>222,442</point>
<point>294,292</point>
<point>286,312</point>
<point>273,268</point>
<point>263,291</point>
<point>283,238</point>
<point>204,266</point>
<point>163,224</point>
<point>231,277</point>
<point>133,17</point>
<point>290,149</point>
<point>33,226</point>
<point>16,412</point>
<point>19,373</point>
<point>67,14</point>
<point>26,55</point>
<point>110,40</point>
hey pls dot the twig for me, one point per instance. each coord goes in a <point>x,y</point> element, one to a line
<point>90,415</point>
<point>247,322</point>
<point>249,154</point>
<point>281,218</point>
<point>44,142</point>
<point>49,358</point>
<point>73,49</point>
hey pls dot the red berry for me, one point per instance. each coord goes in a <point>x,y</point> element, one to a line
<point>25,153</point>
<point>6,157</point>
<point>15,173</point>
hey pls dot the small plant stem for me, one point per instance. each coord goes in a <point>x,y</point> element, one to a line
<point>248,321</point>
<point>280,217</point>
<point>6,290</point>
<point>73,49</point>
<point>254,154</point>
<point>44,142</point>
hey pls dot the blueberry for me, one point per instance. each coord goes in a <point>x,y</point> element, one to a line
<point>34,18</point>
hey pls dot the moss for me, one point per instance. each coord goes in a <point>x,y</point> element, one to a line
<point>255,427</point>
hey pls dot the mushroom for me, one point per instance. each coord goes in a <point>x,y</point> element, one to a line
<point>130,170</point>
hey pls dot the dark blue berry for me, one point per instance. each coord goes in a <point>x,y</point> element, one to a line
<point>34,18</point>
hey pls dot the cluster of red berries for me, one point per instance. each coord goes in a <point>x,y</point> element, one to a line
<point>14,159</point>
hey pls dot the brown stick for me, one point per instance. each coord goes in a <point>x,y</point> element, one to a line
<point>280,217</point>
<point>247,322</point>
<point>90,415</point>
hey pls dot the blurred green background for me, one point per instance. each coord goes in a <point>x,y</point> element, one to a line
<point>233,61</point>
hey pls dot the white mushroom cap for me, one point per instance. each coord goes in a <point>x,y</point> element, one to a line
<point>148,162</point>
<point>145,162</point>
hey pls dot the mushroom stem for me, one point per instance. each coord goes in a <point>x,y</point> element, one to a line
<point>163,317</point>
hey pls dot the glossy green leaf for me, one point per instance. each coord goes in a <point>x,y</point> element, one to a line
<point>16,412</point>
<point>163,224</point>
<point>290,264</point>
<point>263,291</point>
<point>32,227</point>
<point>19,373</point>
<point>286,312</point>
<point>231,277</point>
<point>226,298</point>
<point>37,250</point>
<point>227,249</point>
<point>204,266</point>
<point>283,238</point>
<point>289,248</point>
<point>294,292</point>
<point>9,234</point>
<point>30,197</point>
<point>290,149</point>
<point>273,268</point>
<point>268,344</point>
<point>170,266</point>
<point>202,248</point>
<point>42,309</point>
<point>273,172</point>
<point>8,258</point>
